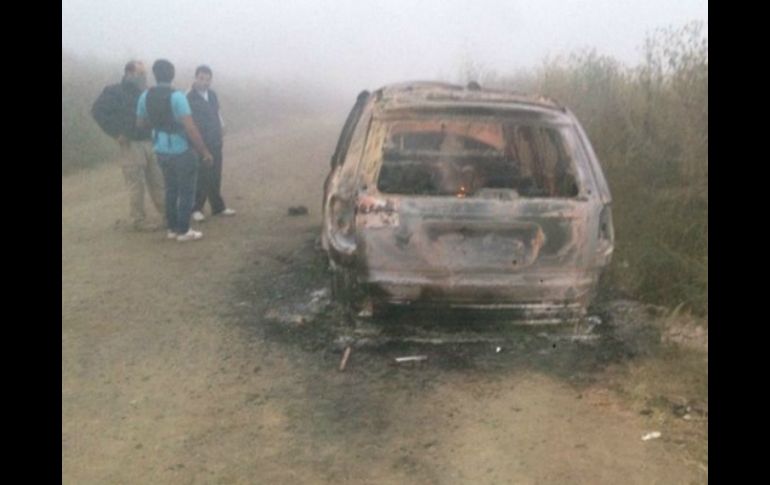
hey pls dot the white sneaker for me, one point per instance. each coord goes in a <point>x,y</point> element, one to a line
<point>189,236</point>
<point>198,216</point>
<point>171,235</point>
<point>227,212</point>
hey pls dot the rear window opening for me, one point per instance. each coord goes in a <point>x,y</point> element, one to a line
<point>477,159</point>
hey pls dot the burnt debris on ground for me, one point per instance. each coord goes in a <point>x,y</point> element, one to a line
<point>295,308</point>
<point>299,210</point>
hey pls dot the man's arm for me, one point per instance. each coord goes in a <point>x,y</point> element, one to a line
<point>219,113</point>
<point>183,113</point>
<point>195,137</point>
<point>141,112</point>
<point>141,123</point>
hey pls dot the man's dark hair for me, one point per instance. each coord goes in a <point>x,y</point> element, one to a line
<point>163,71</point>
<point>130,67</point>
<point>203,69</point>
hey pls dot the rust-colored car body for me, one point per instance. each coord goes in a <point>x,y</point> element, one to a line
<point>467,197</point>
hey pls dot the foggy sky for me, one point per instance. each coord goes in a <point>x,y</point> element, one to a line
<point>363,44</point>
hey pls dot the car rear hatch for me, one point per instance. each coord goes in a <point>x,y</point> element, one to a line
<point>440,237</point>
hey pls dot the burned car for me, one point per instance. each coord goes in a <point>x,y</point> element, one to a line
<point>466,197</point>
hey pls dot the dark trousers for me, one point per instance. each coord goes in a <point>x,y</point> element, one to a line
<point>180,173</point>
<point>210,184</point>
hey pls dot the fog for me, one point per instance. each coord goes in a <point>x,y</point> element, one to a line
<point>218,361</point>
<point>353,44</point>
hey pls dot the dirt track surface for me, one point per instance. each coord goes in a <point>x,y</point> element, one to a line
<point>172,373</point>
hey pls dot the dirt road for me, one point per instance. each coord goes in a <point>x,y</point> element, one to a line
<point>172,374</point>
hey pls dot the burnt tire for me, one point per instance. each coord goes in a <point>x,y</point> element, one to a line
<point>344,287</point>
<point>381,309</point>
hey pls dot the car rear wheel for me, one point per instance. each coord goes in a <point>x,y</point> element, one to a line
<point>344,287</point>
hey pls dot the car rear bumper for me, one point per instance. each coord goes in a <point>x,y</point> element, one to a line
<point>531,296</point>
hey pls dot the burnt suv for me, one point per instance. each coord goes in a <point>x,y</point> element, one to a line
<point>466,197</point>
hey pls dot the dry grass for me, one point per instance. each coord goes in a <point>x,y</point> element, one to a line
<point>649,127</point>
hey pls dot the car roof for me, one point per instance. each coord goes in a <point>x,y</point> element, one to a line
<point>438,95</point>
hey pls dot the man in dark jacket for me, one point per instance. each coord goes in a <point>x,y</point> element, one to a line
<point>115,112</point>
<point>205,111</point>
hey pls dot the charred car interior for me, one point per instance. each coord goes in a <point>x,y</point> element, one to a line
<point>444,195</point>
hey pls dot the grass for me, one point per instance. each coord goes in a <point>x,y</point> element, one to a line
<point>649,127</point>
<point>83,144</point>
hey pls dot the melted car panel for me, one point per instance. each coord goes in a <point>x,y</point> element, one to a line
<point>469,198</point>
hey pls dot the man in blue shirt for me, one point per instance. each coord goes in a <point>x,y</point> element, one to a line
<point>168,112</point>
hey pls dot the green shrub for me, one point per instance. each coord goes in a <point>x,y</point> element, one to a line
<point>649,127</point>
<point>83,144</point>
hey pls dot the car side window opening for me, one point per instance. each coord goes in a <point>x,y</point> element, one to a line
<point>347,131</point>
<point>355,147</point>
<point>462,158</point>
